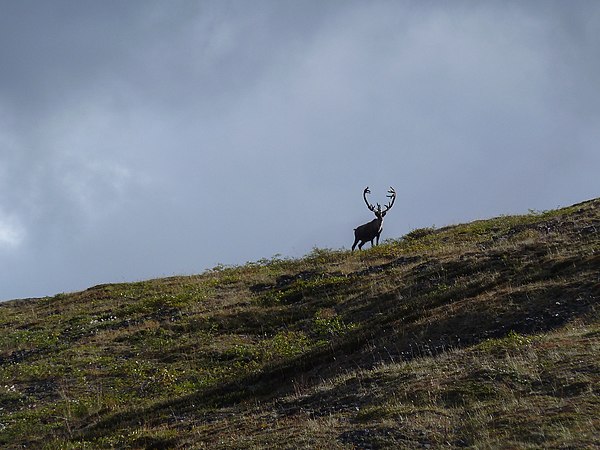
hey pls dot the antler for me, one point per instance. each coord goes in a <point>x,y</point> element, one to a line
<point>391,195</point>
<point>365,192</point>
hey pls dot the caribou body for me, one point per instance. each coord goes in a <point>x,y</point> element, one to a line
<point>372,230</point>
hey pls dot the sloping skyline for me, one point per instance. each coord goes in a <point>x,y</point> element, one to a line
<point>144,139</point>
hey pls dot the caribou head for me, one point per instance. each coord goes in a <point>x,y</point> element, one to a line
<point>372,230</point>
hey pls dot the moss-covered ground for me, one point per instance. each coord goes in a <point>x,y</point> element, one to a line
<point>480,335</point>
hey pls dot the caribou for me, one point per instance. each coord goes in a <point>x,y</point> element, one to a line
<point>372,230</point>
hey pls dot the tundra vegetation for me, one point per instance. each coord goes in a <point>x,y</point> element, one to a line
<point>480,335</point>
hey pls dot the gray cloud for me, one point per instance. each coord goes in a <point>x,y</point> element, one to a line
<point>144,139</point>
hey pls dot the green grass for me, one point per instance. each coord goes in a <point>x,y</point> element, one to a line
<point>480,335</point>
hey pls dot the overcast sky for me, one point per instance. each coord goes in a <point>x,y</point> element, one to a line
<point>141,139</point>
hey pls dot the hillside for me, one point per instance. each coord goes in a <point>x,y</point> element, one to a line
<point>479,335</point>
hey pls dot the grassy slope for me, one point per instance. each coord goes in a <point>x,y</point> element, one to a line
<point>484,335</point>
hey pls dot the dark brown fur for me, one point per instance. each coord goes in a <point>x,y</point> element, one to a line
<point>372,230</point>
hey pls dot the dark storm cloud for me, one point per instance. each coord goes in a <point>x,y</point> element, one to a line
<point>142,139</point>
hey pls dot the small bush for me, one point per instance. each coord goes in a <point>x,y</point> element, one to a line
<point>327,323</point>
<point>513,341</point>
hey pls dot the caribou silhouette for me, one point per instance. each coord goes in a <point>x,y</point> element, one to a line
<point>372,230</point>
